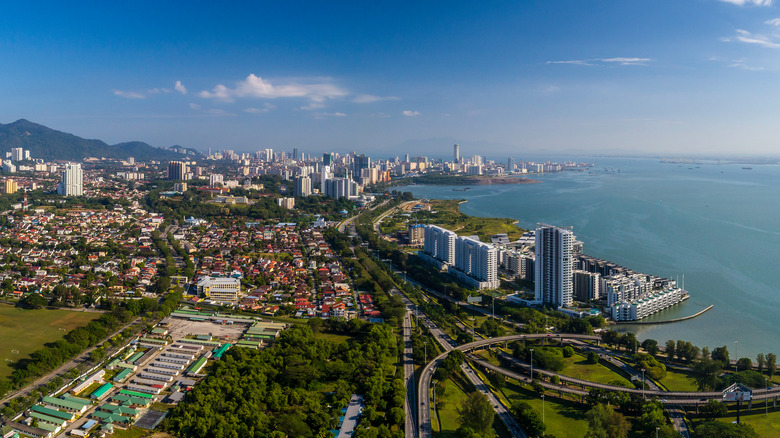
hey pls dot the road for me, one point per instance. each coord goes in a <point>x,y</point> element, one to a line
<point>408,359</point>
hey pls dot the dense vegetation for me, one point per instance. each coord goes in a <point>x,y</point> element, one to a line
<point>297,387</point>
<point>50,144</point>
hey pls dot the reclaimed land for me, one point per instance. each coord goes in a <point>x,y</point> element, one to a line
<point>455,180</point>
<point>24,331</point>
<point>447,214</point>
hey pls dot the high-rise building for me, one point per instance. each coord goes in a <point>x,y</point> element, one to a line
<point>295,154</point>
<point>177,171</point>
<point>10,186</point>
<point>327,159</point>
<point>510,165</point>
<point>72,180</point>
<point>216,180</point>
<point>17,154</point>
<point>440,243</point>
<point>324,176</point>
<point>340,188</point>
<point>477,259</point>
<point>456,153</point>
<point>302,186</point>
<point>360,162</point>
<point>553,265</point>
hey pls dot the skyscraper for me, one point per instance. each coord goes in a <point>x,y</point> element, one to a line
<point>327,159</point>
<point>361,162</point>
<point>302,186</point>
<point>440,243</point>
<point>72,181</point>
<point>553,268</point>
<point>456,153</point>
<point>477,259</point>
<point>177,171</point>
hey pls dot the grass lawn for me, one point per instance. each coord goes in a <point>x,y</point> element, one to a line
<point>448,404</point>
<point>564,419</point>
<point>678,381</point>
<point>24,331</point>
<point>577,366</point>
<point>333,337</point>
<point>767,426</point>
<point>132,432</point>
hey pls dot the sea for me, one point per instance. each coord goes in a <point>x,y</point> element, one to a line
<point>714,227</point>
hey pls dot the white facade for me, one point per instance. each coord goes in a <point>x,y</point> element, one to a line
<point>72,180</point>
<point>340,188</point>
<point>553,265</point>
<point>302,186</point>
<point>440,243</point>
<point>220,289</point>
<point>477,259</point>
<point>631,311</point>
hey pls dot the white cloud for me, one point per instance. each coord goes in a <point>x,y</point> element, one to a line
<point>194,106</point>
<point>741,64</point>
<point>410,113</point>
<point>313,106</point>
<point>761,40</point>
<point>572,62</point>
<point>129,94</point>
<point>627,61</point>
<point>773,22</point>
<point>325,115</point>
<point>604,61</point>
<point>159,90</point>
<point>369,98</point>
<point>180,87</point>
<point>749,2</point>
<point>218,112</point>
<point>255,87</point>
<point>268,107</point>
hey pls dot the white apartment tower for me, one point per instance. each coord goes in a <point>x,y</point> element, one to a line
<point>302,186</point>
<point>72,180</point>
<point>455,153</point>
<point>440,243</point>
<point>553,266</point>
<point>476,259</point>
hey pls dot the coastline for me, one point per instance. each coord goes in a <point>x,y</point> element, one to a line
<point>668,321</point>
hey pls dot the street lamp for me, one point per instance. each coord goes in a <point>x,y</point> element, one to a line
<point>643,383</point>
<point>542,408</point>
<point>766,401</point>
<point>425,361</point>
<point>532,364</point>
<point>656,431</point>
<point>434,398</point>
<point>736,357</point>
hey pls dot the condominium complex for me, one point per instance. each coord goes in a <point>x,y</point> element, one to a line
<point>177,171</point>
<point>553,266</point>
<point>465,257</point>
<point>72,183</point>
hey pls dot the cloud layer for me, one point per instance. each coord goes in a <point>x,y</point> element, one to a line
<point>604,61</point>
<point>255,87</point>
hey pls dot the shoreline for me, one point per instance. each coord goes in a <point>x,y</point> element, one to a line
<point>668,321</point>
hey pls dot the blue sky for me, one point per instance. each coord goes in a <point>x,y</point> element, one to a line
<point>666,77</point>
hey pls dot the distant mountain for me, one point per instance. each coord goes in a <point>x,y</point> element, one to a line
<point>51,144</point>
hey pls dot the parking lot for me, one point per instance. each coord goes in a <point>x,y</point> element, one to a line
<point>180,328</point>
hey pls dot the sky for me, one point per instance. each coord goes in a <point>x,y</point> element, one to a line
<point>669,77</point>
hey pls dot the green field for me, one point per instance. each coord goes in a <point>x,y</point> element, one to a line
<point>24,331</point>
<point>448,404</point>
<point>564,419</point>
<point>767,426</point>
<point>577,366</point>
<point>447,214</point>
<point>678,381</point>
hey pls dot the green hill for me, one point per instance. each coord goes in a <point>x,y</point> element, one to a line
<point>51,144</point>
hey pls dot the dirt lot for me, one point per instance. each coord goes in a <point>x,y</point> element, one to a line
<point>180,328</point>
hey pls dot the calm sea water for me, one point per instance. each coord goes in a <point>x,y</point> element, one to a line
<point>718,225</point>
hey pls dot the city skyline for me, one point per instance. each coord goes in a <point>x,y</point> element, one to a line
<point>693,77</point>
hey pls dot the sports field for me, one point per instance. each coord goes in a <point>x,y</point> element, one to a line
<point>24,331</point>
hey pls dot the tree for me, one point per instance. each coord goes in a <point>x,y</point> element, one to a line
<point>593,358</point>
<point>670,344</point>
<point>761,362</point>
<point>476,413</point>
<point>721,354</point>
<point>652,417</point>
<point>568,351</point>
<point>528,419</point>
<point>744,363</point>
<point>771,364</point>
<point>651,346</point>
<point>604,422</point>
<point>713,409</point>
<point>706,372</point>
